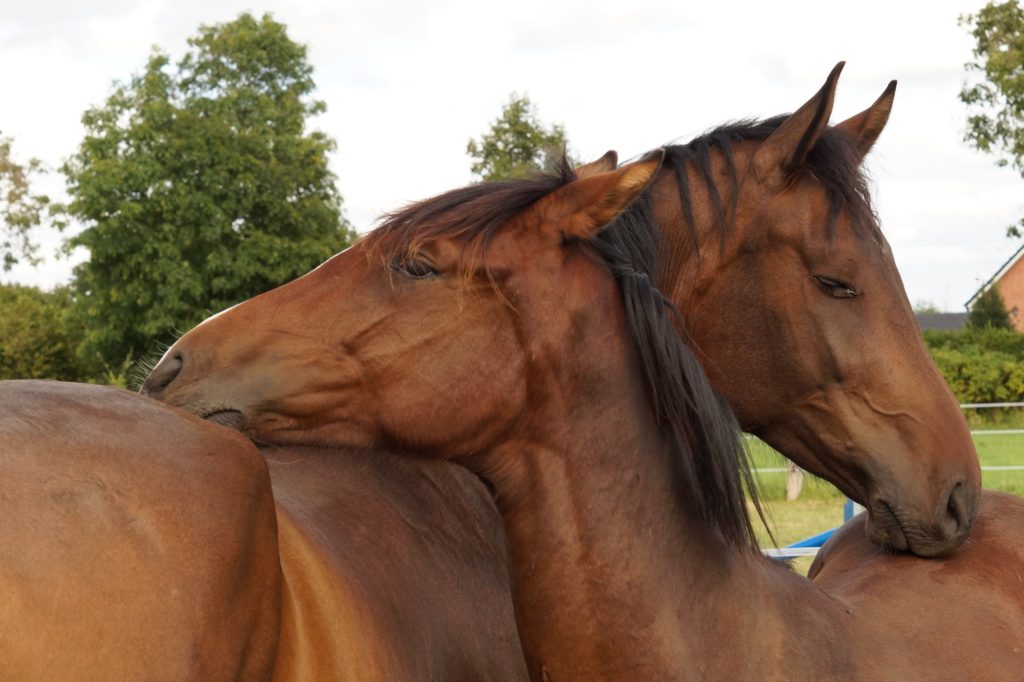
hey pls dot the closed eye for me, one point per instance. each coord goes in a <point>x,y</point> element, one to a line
<point>834,287</point>
<point>416,268</point>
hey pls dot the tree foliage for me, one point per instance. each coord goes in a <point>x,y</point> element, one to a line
<point>20,208</point>
<point>38,336</point>
<point>995,100</point>
<point>517,144</point>
<point>199,187</point>
<point>988,310</point>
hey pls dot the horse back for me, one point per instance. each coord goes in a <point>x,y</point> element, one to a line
<point>137,542</point>
<point>963,612</point>
<point>394,570</point>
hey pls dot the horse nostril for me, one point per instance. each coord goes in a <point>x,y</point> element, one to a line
<point>163,375</point>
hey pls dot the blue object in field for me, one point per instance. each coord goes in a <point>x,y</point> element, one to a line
<point>813,541</point>
<point>849,509</point>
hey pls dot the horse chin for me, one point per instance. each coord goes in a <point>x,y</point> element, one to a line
<point>884,529</point>
<point>888,530</point>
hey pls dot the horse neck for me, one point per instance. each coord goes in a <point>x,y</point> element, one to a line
<point>614,576</point>
<point>602,546</point>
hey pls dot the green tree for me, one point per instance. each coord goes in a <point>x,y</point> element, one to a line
<point>38,336</point>
<point>517,144</point>
<point>20,208</point>
<point>989,310</point>
<point>199,187</point>
<point>995,99</point>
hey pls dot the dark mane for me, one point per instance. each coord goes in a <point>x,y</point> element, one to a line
<point>833,161</point>
<point>710,461</point>
<point>472,213</point>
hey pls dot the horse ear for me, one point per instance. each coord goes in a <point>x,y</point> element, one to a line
<point>584,206</point>
<point>785,148</point>
<point>606,163</point>
<point>866,126</point>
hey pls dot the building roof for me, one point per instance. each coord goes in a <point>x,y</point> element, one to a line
<point>941,320</point>
<point>999,273</point>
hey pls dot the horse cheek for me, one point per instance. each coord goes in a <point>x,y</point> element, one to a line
<point>461,394</point>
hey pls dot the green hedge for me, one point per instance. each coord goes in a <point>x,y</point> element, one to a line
<point>980,365</point>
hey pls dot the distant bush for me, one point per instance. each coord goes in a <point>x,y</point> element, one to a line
<point>980,365</point>
<point>38,338</point>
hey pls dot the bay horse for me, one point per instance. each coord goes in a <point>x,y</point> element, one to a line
<point>140,542</point>
<point>770,248</point>
<point>494,326</point>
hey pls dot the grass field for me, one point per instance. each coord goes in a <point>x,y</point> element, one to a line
<point>820,506</point>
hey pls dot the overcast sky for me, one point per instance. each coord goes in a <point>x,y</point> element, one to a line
<point>408,83</point>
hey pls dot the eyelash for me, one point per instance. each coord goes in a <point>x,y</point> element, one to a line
<point>834,287</point>
<point>414,268</point>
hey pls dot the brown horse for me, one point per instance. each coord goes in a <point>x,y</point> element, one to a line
<point>490,325</point>
<point>772,253</point>
<point>139,542</point>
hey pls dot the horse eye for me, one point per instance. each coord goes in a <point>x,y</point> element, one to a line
<point>415,268</point>
<point>835,288</point>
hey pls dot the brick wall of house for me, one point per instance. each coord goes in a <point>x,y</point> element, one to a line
<point>1011,288</point>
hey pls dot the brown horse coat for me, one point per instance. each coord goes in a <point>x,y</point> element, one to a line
<point>137,542</point>
<point>394,570</point>
<point>965,612</point>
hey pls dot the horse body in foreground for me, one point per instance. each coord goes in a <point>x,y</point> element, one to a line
<point>965,612</point>
<point>137,543</point>
<point>493,326</point>
<point>140,543</point>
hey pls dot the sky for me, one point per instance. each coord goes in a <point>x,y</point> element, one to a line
<point>408,83</point>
